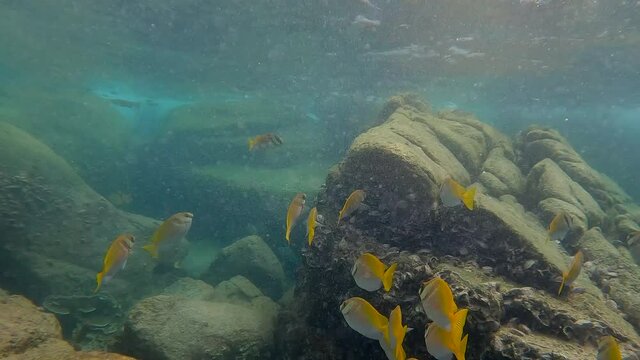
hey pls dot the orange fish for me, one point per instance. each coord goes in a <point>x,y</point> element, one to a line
<point>169,232</point>
<point>264,140</point>
<point>352,204</point>
<point>115,259</point>
<point>295,209</point>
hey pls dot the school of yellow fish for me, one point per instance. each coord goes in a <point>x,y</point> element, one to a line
<point>443,335</point>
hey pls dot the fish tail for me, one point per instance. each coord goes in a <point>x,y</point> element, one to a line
<point>288,235</point>
<point>468,198</point>
<point>99,281</point>
<point>462,349</point>
<point>457,323</point>
<point>252,143</point>
<point>561,286</point>
<point>387,278</point>
<point>152,249</point>
<point>339,217</point>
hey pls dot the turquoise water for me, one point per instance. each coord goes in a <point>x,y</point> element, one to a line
<point>117,115</point>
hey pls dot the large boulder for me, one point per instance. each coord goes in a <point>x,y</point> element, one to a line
<point>173,326</point>
<point>496,257</point>
<point>252,258</point>
<point>83,128</point>
<point>28,333</point>
<point>57,229</point>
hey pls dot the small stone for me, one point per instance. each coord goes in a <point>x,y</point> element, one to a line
<point>612,304</point>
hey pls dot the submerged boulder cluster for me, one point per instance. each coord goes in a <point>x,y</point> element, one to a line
<point>497,257</point>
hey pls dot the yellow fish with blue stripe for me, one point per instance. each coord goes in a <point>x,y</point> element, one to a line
<point>115,259</point>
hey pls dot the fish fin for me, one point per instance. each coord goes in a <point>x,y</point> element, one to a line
<point>288,235</point>
<point>152,249</point>
<point>99,281</point>
<point>387,278</point>
<point>457,324</point>
<point>124,264</point>
<point>252,143</point>
<point>561,285</point>
<point>468,198</point>
<point>462,348</point>
<point>339,217</point>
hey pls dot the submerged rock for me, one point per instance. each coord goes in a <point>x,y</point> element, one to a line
<point>28,333</point>
<point>252,258</point>
<point>496,257</point>
<point>189,327</point>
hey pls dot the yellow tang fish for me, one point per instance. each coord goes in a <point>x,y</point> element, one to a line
<point>115,259</point>
<point>560,226</point>
<point>264,140</point>
<point>294,211</point>
<point>171,231</point>
<point>441,343</point>
<point>608,349</point>
<point>352,204</point>
<point>370,273</point>
<point>437,301</point>
<point>311,224</point>
<point>364,318</point>
<point>394,336</point>
<point>568,277</point>
<point>453,194</point>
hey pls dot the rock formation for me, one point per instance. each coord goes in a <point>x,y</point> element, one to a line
<point>28,333</point>
<point>496,257</point>
<point>232,321</point>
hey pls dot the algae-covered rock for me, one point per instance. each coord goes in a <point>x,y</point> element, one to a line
<point>616,274</point>
<point>173,327</point>
<point>547,180</point>
<point>496,257</point>
<point>191,288</point>
<point>252,258</point>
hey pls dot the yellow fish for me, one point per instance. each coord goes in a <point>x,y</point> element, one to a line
<point>115,259</point>
<point>264,140</point>
<point>311,224</point>
<point>441,343</point>
<point>394,336</point>
<point>608,349</point>
<point>295,209</point>
<point>437,301</point>
<point>560,226</point>
<point>453,194</point>
<point>370,273</point>
<point>364,318</point>
<point>568,277</point>
<point>171,231</point>
<point>352,204</point>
